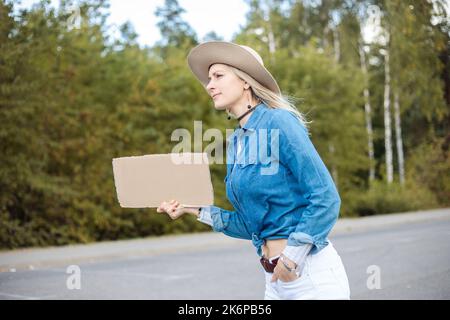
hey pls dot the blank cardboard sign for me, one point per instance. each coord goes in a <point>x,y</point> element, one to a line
<point>146,181</point>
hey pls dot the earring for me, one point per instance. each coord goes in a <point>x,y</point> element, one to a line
<point>229,114</point>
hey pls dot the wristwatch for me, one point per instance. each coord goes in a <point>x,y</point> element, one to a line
<point>294,269</point>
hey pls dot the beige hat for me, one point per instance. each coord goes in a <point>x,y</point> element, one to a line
<point>242,57</point>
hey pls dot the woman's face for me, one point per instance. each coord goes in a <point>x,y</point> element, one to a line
<point>225,88</point>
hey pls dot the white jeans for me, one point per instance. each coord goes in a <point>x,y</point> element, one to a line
<point>323,277</point>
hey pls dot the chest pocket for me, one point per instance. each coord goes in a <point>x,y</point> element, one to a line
<point>261,152</point>
<point>247,149</point>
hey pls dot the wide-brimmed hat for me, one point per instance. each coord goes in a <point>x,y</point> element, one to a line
<point>241,57</point>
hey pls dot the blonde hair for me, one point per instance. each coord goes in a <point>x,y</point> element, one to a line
<point>270,98</point>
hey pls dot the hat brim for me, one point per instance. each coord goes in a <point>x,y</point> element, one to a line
<point>204,55</point>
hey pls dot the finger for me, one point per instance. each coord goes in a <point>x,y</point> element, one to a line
<point>161,207</point>
<point>167,206</point>
<point>274,278</point>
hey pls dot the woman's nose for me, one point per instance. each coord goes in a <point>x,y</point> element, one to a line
<point>209,86</point>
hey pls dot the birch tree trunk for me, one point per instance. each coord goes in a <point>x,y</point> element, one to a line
<point>271,37</point>
<point>270,34</point>
<point>331,148</point>
<point>368,113</point>
<point>387,114</point>
<point>399,141</point>
<point>337,45</point>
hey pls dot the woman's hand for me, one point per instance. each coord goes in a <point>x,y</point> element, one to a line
<point>280,271</point>
<point>175,210</point>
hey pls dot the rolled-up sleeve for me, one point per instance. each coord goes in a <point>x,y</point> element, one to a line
<point>228,222</point>
<point>299,155</point>
<point>205,216</point>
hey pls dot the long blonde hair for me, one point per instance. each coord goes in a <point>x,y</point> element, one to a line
<point>270,98</point>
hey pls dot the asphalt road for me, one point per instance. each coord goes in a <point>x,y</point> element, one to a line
<point>413,260</point>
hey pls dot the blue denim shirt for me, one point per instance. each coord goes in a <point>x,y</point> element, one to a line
<point>278,184</point>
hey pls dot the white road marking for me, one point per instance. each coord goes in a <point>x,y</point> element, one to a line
<point>19,296</point>
<point>159,276</point>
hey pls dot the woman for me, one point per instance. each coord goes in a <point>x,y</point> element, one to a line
<point>286,203</point>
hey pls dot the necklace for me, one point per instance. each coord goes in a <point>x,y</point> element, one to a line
<point>250,109</point>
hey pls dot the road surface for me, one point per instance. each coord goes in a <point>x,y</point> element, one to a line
<point>411,255</point>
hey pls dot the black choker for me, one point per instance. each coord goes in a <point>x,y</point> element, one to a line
<point>250,109</point>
